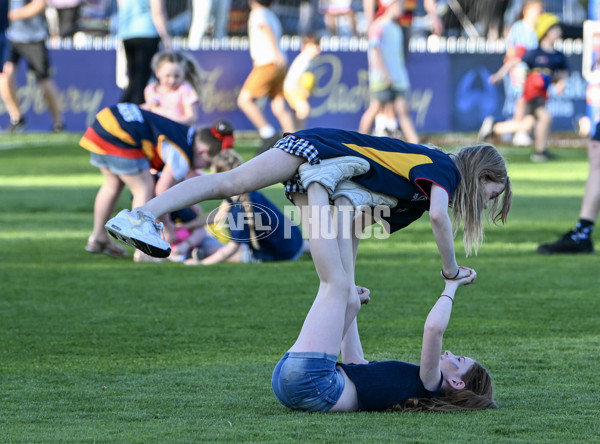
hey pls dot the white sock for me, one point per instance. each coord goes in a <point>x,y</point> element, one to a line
<point>266,132</point>
<point>391,123</point>
<point>380,122</point>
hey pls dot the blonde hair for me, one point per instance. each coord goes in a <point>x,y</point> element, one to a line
<point>191,69</point>
<point>225,161</point>
<point>477,164</point>
<point>478,394</point>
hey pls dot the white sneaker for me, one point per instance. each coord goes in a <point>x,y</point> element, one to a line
<point>487,129</point>
<point>522,139</point>
<point>140,230</point>
<point>332,171</point>
<point>361,197</point>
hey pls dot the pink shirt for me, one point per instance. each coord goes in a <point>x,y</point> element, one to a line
<point>171,104</point>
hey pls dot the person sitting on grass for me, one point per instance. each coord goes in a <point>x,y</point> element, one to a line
<point>409,179</point>
<point>254,240</point>
<point>309,378</point>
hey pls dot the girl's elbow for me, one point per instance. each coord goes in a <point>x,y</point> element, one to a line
<point>432,329</point>
<point>437,216</point>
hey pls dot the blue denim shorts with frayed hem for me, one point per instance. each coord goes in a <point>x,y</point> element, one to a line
<point>120,166</point>
<point>308,381</point>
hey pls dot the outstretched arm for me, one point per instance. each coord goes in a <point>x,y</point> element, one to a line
<point>433,332</point>
<point>442,232</point>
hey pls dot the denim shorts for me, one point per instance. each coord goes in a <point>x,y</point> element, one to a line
<point>308,381</point>
<point>120,165</point>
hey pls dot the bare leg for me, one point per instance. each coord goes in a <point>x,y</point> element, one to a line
<point>324,326</point>
<point>141,186</point>
<point>345,239</point>
<point>8,90</point>
<point>302,113</point>
<point>405,120</point>
<point>270,167</point>
<point>104,205</point>
<point>366,121</point>
<point>513,126</point>
<point>283,115</point>
<point>591,197</point>
<point>246,103</point>
<point>542,129</point>
<point>52,99</point>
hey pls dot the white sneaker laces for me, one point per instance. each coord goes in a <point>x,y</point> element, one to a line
<point>158,226</point>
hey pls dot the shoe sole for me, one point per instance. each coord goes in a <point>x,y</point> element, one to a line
<point>361,166</point>
<point>546,252</point>
<point>353,193</point>
<point>144,247</point>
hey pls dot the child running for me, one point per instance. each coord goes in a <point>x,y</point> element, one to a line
<point>300,80</point>
<point>308,377</point>
<point>546,66</point>
<point>125,143</point>
<point>389,174</point>
<point>175,93</point>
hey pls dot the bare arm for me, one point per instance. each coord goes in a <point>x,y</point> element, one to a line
<point>433,331</point>
<point>379,64</point>
<point>191,111</point>
<point>157,10</point>
<point>29,10</point>
<point>222,254</point>
<point>442,229</point>
<point>437,27</point>
<point>509,64</point>
<point>560,77</point>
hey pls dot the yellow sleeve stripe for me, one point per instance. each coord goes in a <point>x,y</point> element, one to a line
<point>399,163</point>
<point>91,146</point>
<point>110,123</point>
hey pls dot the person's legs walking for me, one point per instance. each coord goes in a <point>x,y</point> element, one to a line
<point>591,197</point>
<point>405,120</point>
<point>246,103</point>
<point>53,102</point>
<point>366,120</point>
<point>8,90</point>
<point>282,114</point>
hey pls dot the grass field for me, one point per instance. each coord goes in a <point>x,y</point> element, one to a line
<point>96,349</point>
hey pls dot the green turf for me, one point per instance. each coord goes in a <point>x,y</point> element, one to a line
<point>95,349</point>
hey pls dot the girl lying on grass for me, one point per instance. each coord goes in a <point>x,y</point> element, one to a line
<point>308,377</point>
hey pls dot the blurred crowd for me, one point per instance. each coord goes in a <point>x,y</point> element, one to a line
<point>195,19</point>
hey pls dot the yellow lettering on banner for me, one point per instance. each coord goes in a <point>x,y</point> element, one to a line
<point>339,97</point>
<point>399,163</point>
<point>214,100</point>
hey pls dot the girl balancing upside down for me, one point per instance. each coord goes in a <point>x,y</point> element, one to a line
<point>408,178</point>
<point>309,378</point>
